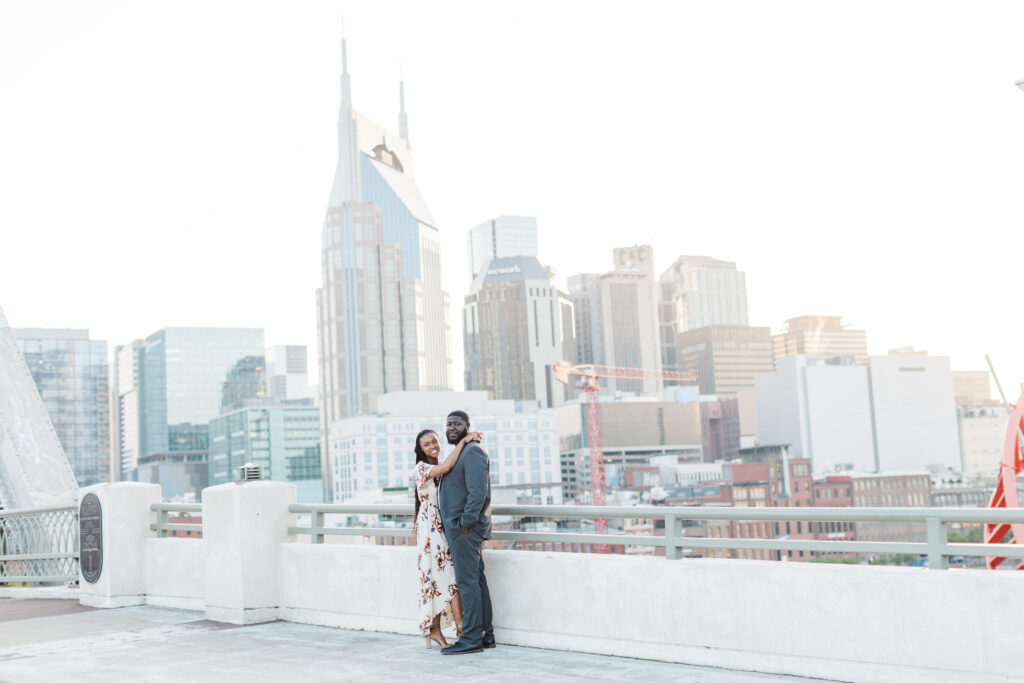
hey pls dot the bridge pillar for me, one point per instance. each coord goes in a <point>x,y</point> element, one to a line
<point>125,517</point>
<point>243,525</point>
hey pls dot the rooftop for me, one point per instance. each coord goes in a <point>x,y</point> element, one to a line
<point>53,639</point>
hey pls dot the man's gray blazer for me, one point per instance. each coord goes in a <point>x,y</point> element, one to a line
<point>465,493</point>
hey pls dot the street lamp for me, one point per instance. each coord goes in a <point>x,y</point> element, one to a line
<point>1020,84</point>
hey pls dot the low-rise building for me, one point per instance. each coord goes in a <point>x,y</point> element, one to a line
<point>834,491</point>
<point>182,475</point>
<point>891,490</point>
<point>371,452</point>
<point>982,436</point>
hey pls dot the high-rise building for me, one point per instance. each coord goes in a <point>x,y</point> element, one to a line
<point>282,437</point>
<point>247,379</point>
<point>182,373</point>
<point>821,407</point>
<point>585,292</point>
<point>501,237</point>
<point>125,426</point>
<point>288,372</point>
<point>820,335</point>
<point>894,414</point>
<point>725,358</point>
<point>517,327</point>
<point>914,413</point>
<point>72,374</point>
<point>383,319</point>
<point>371,452</point>
<point>696,292</point>
<point>618,317</point>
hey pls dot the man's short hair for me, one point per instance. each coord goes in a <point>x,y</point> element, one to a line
<point>460,413</point>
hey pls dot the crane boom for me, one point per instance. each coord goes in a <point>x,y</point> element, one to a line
<point>564,370</point>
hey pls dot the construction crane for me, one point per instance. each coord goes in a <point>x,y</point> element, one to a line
<point>589,376</point>
<point>1005,495</point>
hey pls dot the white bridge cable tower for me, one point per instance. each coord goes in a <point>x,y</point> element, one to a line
<point>34,470</point>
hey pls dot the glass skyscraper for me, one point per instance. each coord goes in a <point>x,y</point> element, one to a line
<point>71,372</point>
<point>182,373</point>
<point>383,319</point>
<point>500,237</point>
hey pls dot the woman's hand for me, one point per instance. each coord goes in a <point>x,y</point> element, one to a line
<point>472,436</point>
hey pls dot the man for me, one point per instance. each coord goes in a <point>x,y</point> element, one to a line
<point>465,501</point>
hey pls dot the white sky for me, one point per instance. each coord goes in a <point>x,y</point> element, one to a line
<point>169,164</point>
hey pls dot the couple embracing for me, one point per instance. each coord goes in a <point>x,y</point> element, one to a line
<point>453,500</point>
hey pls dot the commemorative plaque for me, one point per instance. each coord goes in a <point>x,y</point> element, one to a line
<point>90,534</point>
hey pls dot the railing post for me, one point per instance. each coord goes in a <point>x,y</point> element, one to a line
<point>937,537</point>
<point>118,551</point>
<point>244,526</point>
<point>161,523</point>
<point>317,522</point>
<point>673,534</point>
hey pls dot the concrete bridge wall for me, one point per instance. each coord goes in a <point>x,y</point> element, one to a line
<point>840,622</point>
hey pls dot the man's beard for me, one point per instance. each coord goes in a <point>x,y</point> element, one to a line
<point>458,438</point>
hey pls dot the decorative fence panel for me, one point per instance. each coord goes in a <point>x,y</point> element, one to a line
<point>39,545</point>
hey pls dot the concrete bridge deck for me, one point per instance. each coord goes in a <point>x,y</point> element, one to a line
<point>59,640</point>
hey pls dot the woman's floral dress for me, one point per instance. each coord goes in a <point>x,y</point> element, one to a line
<point>434,562</point>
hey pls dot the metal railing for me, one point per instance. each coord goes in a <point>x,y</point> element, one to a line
<point>164,523</point>
<point>936,546</point>
<point>39,545</point>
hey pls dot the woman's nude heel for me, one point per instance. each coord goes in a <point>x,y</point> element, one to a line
<point>437,637</point>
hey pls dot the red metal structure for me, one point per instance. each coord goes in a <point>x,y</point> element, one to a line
<point>1005,495</point>
<point>589,375</point>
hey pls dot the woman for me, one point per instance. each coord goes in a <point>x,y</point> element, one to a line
<point>439,596</point>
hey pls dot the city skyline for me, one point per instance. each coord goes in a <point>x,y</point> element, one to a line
<point>938,132</point>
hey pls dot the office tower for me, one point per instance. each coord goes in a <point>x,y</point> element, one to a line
<point>34,472</point>
<point>821,409</point>
<point>383,321</point>
<point>585,292</point>
<point>282,437</point>
<point>71,372</point>
<point>247,379</point>
<point>696,292</point>
<point>125,428</point>
<point>820,335</point>
<point>501,237</point>
<point>617,318</point>
<point>287,372</point>
<point>518,326</point>
<point>894,414</point>
<point>914,413</point>
<point>521,442</point>
<point>183,371</point>
<point>725,358</point>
